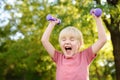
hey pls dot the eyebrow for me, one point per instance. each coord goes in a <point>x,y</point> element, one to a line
<point>71,37</point>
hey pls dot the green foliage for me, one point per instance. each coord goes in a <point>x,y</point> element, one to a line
<point>26,59</point>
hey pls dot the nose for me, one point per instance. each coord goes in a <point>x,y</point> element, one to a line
<point>67,42</point>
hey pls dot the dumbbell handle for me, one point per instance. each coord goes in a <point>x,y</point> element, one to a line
<point>97,12</point>
<point>50,18</point>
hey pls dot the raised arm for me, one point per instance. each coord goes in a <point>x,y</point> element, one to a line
<point>45,38</point>
<point>101,35</point>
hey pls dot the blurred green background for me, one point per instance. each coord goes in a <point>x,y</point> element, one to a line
<point>22,23</point>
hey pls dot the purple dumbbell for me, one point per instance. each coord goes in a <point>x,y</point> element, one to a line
<point>97,12</point>
<point>50,18</point>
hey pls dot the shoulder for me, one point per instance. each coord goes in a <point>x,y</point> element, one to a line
<point>89,49</point>
<point>88,53</point>
<point>57,55</point>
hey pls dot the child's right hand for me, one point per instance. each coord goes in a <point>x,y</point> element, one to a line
<point>53,20</point>
<point>56,21</point>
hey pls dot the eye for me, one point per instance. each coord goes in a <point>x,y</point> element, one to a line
<point>63,39</point>
<point>72,39</point>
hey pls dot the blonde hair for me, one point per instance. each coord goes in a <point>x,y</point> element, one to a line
<point>71,31</point>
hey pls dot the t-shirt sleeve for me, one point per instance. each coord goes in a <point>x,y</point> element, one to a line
<point>90,56</point>
<point>56,56</point>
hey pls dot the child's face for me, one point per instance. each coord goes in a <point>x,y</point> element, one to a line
<point>69,45</point>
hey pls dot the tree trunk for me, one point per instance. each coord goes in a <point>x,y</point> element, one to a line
<point>114,28</point>
<point>116,52</point>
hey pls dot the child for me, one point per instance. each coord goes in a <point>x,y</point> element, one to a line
<point>71,63</point>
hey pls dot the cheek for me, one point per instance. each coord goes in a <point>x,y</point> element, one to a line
<point>61,44</point>
<point>77,45</point>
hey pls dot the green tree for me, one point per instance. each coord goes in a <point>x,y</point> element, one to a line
<point>22,56</point>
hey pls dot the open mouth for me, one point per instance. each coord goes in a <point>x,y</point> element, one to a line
<point>68,48</point>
